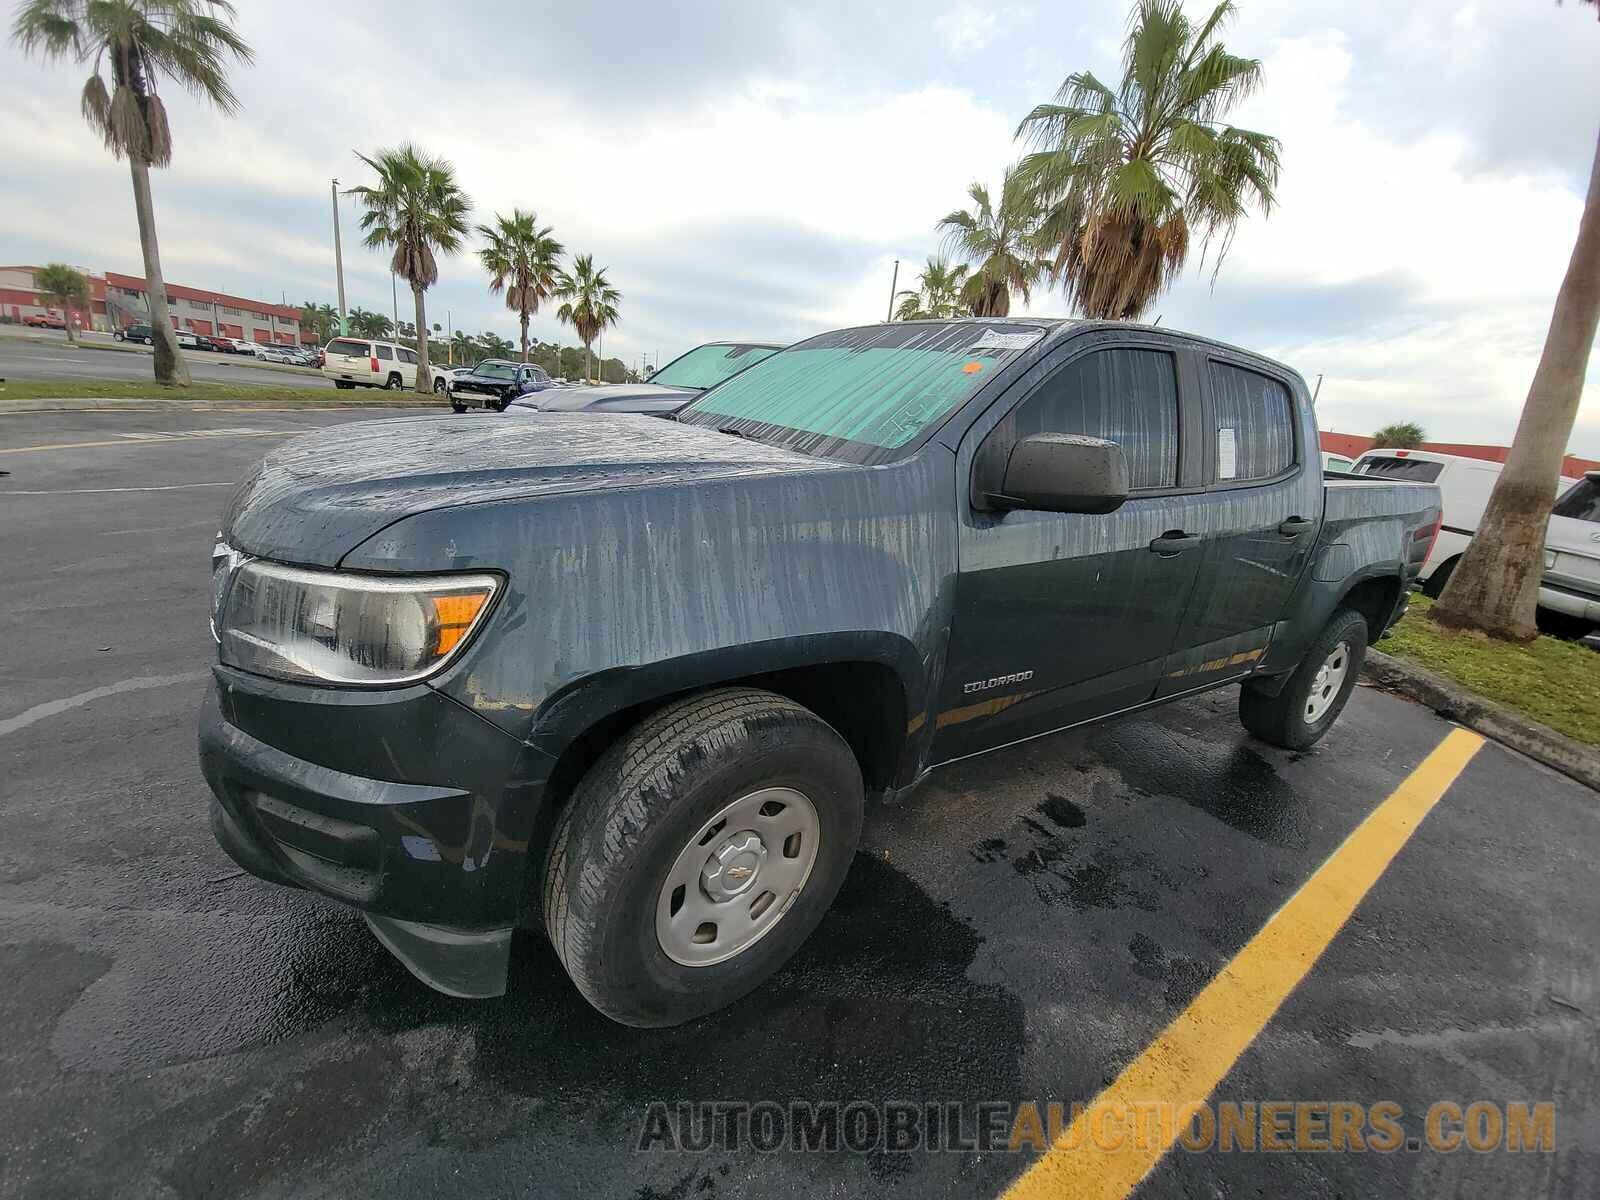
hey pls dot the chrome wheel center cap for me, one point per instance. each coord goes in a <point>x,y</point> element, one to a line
<point>733,866</point>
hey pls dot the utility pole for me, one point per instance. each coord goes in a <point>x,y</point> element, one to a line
<point>394,295</point>
<point>449,340</point>
<point>894,282</point>
<point>338,261</point>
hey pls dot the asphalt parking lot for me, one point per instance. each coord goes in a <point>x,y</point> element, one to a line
<point>23,357</point>
<point>1021,928</point>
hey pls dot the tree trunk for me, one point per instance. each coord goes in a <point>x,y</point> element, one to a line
<point>1495,587</point>
<point>423,384</point>
<point>588,371</point>
<point>523,313</point>
<point>170,365</point>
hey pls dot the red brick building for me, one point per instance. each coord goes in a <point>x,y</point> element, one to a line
<point>1351,445</point>
<point>200,311</point>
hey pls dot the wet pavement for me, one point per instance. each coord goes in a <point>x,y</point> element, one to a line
<point>1019,928</point>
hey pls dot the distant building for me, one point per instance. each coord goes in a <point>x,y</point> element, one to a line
<point>1352,445</point>
<point>20,299</point>
<point>201,311</point>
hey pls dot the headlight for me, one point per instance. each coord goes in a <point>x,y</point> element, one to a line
<point>333,627</point>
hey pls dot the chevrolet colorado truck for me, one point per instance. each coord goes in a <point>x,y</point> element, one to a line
<point>632,680</point>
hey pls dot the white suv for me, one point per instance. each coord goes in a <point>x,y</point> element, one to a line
<point>357,362</point>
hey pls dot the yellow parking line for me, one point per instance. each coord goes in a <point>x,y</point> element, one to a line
<point>137,441</point>
<point>1194,1053</point>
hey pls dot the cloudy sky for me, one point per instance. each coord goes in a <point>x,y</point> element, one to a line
<point>753,170</point>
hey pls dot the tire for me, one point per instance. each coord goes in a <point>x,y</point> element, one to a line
<point>1297,716</point>
<point>438,387</point>
<point>1433,585</point>
<point>643,815</point>
<point>394,383</point>
<point>1562,625</point>
<point>457,407</point>
<point>343,384</point>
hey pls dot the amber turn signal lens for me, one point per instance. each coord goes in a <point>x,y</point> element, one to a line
<point>453,616</point>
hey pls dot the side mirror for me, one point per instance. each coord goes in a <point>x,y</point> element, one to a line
<point>1060,472</point>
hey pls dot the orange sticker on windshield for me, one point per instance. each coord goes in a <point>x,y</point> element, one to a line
<point>972,368</point>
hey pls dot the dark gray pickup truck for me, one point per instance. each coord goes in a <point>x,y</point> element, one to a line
<point>632,679</point>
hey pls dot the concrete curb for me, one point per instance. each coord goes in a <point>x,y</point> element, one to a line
<point>176,404</point>
<point>1454,702</point>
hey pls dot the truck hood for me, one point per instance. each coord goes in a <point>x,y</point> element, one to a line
<point>614,397</point>
<point>315,498</point>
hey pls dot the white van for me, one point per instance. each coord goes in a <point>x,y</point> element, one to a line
<point>1569,595</point>
<point>358,362</point>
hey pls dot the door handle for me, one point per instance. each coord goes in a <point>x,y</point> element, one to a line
<point>1174,541</point>
<point>1295,526</point>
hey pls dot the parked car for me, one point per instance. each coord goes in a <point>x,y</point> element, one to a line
<point>444,376</point>
<point>666,391</point>
<point>494,384</point>
<point>1569,594</point>
<point>360,362</point>
<point>1336,462</point>
<point>217,345</point>
<point>283,355</point>
<point>140,334</point>
<point>633,678</point>
<point>45,321</point>
<point>240,346</point>
<point>187,340</point>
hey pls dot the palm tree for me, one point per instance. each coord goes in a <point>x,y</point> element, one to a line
<point>1126,180</point>
<point>938,295</point>
<point>321,319</point>
<point>139,42</point>
<point>369,324</point>
<point>493,345</point>
<point>523,261</point>
<point>1495,587</point>
<point>1001,241</point>
<point>463,348</point>
<point>59,286</point>
<point>1400,435</point>
<point>591,303</point>
<point>415,209</point>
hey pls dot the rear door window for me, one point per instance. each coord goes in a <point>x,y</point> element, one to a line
<point>1403,470</point>
<point>1254,424</point>
<point>406,356</point>
<point>385,353</point>
<point>1582,502</point>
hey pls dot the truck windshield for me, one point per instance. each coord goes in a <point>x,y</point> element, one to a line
<point>860,395</point>
<point>706,366</point>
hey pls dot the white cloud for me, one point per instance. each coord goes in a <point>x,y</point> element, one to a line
<point>970,27</point>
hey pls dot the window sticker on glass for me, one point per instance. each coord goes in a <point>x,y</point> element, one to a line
<point>1227,454</point>
<point>993,339</point>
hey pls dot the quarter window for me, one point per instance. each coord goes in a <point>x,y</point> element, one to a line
<point>1255,424</point>
<point>1582,503</point>
<point>1125,396</point>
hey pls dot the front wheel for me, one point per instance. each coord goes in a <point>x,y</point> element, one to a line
<point>1311,701</point>
<point>698,853</point>
<point>438,387</point>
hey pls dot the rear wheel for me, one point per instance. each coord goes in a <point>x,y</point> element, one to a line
<point>438,386</point>
<point>1562,625</point>
<point>1311,701</point>
<point>1433,585</point>
<point>394,383</point>
<point>343,384</point>
<point>699,852</point>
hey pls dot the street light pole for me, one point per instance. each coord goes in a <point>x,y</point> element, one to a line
<point>394,295</point>
<point>893,283</point>
<point>338,260</point>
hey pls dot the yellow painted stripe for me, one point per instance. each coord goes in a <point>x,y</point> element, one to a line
<point>1197,1050</point>
<point>145,441</point>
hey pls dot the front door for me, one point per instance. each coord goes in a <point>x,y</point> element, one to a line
<point>1263,503</point>
<point>1060,617</point>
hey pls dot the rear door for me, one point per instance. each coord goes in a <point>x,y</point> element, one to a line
<point>1263,509</point>
<point>1061,617</point>
<point>349,359</point>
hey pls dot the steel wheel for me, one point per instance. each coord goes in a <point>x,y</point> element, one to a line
<point>1326,684</point>
<point>737,877</point>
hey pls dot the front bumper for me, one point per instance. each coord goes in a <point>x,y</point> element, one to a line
<point>399,802</point>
